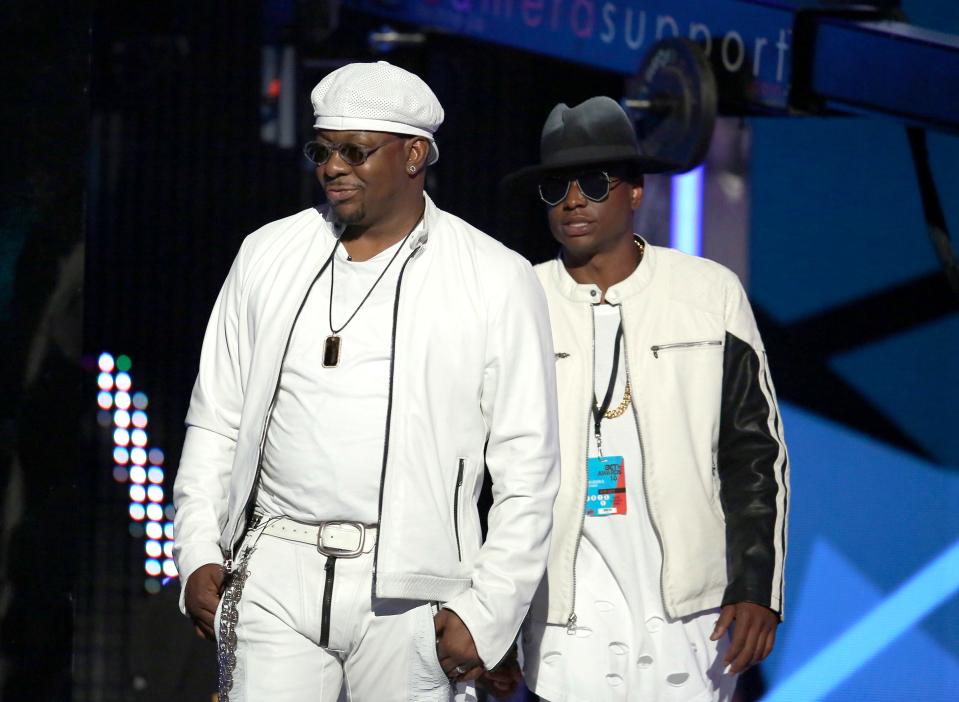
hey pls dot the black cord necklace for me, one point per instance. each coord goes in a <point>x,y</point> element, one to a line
<point>601,410</point>
<point>331,349</point>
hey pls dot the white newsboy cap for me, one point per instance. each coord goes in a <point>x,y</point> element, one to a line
<point>377,97</point>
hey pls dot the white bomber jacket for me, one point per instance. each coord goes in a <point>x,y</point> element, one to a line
<point>715,468</point>
<point>471,382</point>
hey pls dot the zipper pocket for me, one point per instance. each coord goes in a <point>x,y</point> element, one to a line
<point>456,507</point>
<point>327,602</point>
<point>682,345</point>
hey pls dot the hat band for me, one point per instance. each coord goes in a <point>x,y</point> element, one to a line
<point>590,153</point>
<point>361,124</point>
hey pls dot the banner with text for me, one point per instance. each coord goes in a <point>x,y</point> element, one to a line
<point>747,38</point>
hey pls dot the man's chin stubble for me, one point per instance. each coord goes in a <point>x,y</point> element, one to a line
<point>355,217</point>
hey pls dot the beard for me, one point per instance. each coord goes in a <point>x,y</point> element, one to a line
<point>354,216</point>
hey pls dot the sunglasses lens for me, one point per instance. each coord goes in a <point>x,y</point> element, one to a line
<point>553,190</point>
<point>352,154</point>
<point>317,153</point>
<point>594,186</point>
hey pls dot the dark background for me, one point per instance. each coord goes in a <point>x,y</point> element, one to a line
<point>133,167</point>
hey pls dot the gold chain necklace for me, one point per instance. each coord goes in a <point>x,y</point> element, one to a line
<point>621,408</point>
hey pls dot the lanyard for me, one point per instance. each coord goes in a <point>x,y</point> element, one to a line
<point>600,410</point>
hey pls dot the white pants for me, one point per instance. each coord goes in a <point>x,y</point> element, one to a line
<point>275,614</point>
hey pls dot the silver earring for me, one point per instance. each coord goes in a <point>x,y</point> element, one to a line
<point>411,168</point>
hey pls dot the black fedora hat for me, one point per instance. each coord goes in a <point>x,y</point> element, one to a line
<point>596,132</point>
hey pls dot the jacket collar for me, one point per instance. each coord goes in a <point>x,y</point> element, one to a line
<point>634,284</point>
<point>421,233</point>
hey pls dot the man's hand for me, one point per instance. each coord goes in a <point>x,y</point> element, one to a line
<point>754,634</point>
<point>203,590</point>
<point>455,648</point>
<point>502,681</point>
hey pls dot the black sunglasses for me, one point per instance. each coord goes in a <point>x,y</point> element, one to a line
<point>594,185</point>
<point>319,152</point>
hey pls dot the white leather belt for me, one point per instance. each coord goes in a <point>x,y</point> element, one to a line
<point>336,538</point>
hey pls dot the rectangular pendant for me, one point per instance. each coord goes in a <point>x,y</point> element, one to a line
<point>331,351</point>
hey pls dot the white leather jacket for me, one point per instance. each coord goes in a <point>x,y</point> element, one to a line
<point>715,468</point>
<point>471,383</point>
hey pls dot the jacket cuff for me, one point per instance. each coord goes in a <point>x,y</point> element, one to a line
<point>736,594</point>
<point>192,557</point>
<point>485,629</point>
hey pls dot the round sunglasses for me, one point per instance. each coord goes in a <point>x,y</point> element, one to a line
<point>594,185</point>
<point>319,152</point>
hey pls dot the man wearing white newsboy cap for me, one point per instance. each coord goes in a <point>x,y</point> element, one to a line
<point>365,362</point>
<point>378,97</point>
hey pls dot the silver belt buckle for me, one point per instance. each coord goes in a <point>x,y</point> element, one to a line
<point>330,533</point>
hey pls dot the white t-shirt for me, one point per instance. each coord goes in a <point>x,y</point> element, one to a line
<point>324,450</point>
<point>623,646</point>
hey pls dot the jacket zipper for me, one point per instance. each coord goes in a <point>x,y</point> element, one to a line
<point>389,416</point>
<point>330,567</point>
<point>642,453</point>
<point>234,540</point>
<point>571,621</point>
<point>456,506</point>
<point>682,345</point>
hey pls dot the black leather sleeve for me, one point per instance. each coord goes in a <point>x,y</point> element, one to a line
<point>750,464</point>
